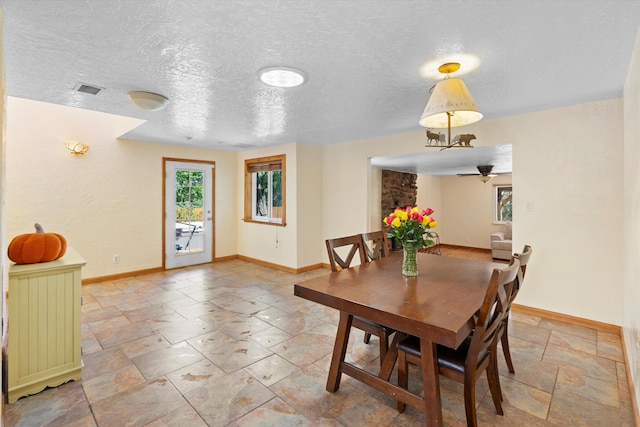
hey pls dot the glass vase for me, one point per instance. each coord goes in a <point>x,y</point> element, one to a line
<point>410,258</point>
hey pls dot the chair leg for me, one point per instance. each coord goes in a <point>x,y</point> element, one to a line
<point>470,400</point>
<point>367,337</point>
<point>384,345</point>
<point>505,347</point>
<point>403,376</point>
<point>494,384</point>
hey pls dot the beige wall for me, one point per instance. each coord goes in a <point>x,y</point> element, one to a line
<point>631,325</point>
<point>467,211</point>
<point>110,200</point>
<point>568,168</point>
<point>567,164</point>
<point>309,205</point>
<point>103,204</point>
<point>265,242</point>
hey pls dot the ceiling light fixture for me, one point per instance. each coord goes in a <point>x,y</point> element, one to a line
<point>282,77</point>
<point>148,101</point>
<point>450,104</point>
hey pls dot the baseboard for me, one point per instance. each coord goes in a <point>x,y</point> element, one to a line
<point>118,276</point>
<point>466,248</point>
<point>280,267</point>
<point>632,390</point>
<point>121,275</point>
<point>579,321</point>
<point>225,258</point>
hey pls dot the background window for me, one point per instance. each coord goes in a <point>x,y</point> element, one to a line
<point>503,203</point>
<point>265,189</point>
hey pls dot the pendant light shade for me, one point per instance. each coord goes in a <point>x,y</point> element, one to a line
<point>450,99</point>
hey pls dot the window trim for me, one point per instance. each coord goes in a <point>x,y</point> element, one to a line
<point>262,164</point>
<point>495,203</point>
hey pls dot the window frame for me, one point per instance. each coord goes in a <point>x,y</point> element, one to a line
<point>496,191</point>
<point>262,164</point>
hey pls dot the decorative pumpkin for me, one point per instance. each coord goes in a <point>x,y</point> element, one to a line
<point>37,247</point>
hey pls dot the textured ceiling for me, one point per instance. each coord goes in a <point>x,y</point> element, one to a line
<point>364,60</point>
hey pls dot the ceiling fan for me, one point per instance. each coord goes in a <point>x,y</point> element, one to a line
<point>485,174</point>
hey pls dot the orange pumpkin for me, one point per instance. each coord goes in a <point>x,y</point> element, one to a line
<point>37,247</point>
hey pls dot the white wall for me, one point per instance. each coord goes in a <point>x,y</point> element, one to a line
<point>631,324</point>
<point>309,205</point>
<point>467,210</point>
<point>569,169</point>
<point>108,201</point>
<point>430,196</point>
<point>266,242</point>
<point>567,162</point>
<point>349,182</point>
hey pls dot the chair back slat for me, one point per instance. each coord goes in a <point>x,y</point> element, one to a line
<point>354,245</point>
<point>376,245</point>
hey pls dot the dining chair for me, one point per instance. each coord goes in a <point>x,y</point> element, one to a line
<point>504,334</point>
<point>376,245</point>
<point>476,354</point>
<point>435,248</point>
<point>355,245</point>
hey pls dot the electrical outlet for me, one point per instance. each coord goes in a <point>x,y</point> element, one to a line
<point>116,259</point>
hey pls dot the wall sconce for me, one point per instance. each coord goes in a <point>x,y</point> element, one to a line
<point>76,148</point>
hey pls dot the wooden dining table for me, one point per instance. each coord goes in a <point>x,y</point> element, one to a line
<point>437,306</point>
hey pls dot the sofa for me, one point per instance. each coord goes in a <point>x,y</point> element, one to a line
<point>501,243</point>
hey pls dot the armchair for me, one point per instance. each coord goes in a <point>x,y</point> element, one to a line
<point>501,243</point>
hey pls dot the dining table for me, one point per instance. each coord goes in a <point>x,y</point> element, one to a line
<point>437,306</point>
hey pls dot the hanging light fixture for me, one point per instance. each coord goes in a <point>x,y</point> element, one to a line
<point>450,104</point>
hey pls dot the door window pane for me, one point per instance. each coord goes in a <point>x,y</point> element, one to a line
<point>189,236</point>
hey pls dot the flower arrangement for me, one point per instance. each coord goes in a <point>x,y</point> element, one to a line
<point>411,224</point>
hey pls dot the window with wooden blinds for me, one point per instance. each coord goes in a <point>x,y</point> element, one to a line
<point>264,190</point>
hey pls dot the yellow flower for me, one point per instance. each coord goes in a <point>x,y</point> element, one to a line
<point>396,222</point>
<point>425,220</point>
<point>433,224</point>
<point>402,215</point>
<point>415,210</point>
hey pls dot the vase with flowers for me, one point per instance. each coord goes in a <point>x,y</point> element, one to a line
<point>410,226</point>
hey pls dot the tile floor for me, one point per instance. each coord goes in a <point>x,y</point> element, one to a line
<point>227,344</point>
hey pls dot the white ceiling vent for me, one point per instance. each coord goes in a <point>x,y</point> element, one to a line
<point>85,88</point>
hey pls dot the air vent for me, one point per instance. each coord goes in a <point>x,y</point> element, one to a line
<point>85,88</point>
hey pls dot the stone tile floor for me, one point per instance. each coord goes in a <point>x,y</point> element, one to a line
<point>227,344</point>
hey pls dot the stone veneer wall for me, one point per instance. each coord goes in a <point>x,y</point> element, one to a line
<point>398,189</point>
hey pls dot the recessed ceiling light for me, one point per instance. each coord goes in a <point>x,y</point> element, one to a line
<point>282,76</point>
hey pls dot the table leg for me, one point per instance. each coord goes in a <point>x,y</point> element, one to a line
<point>339,351</point>
<point>431,382</point>
<point>390,358</point>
